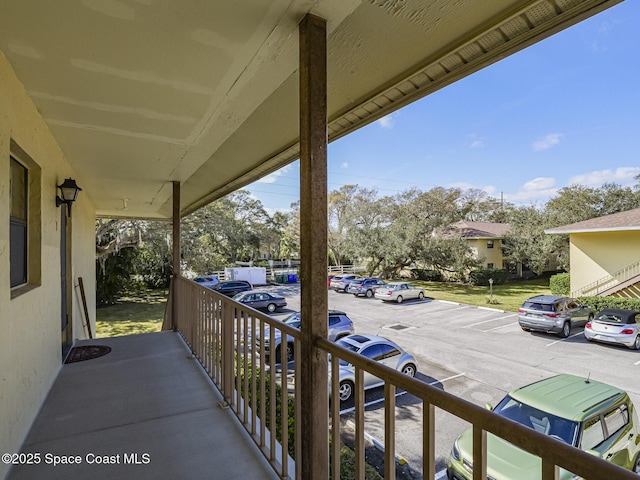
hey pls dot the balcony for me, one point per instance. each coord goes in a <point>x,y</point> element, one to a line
<point>203,402</point>
<point>147,396</point>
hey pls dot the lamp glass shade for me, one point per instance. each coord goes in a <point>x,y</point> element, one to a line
<point>69,190</point>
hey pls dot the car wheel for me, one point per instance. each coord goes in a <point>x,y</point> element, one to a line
<point>421,296</point>
<point>636,344</point>
<point>271,307</point>
<point>399,299</point>
<point>566,330</point>
<point>636,465</point>
<point>289,353</point>
<point>525,329</point>
<point>369,293</point>
<point>409,369</point>
<point>345,392</point>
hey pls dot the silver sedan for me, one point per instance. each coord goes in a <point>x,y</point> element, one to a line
<point>399,292</point>
<point>615,326</point>
<point>375,348</point>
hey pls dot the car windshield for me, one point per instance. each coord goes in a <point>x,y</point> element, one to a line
<point>611,318</point>
<point>348,346</point>
<point>237,297</point>
<point>539,420</point>
<point>293,320</point>
<point>543,307</point>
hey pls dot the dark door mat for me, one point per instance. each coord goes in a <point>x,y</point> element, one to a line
<point>86,352</point>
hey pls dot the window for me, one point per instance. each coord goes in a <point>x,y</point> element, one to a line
<point>616,419</point>
<point>18,185</point>
<point>489,243</point>
<point>24,221</point>
<point>592,435</point>
<point>489,265</point>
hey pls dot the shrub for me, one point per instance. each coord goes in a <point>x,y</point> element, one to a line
<point>482,276</point>
<point>560,284</point>
<point>426,274</point>
<point>600,303</point>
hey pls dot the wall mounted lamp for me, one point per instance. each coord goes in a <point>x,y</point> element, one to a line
<point>69,190</point>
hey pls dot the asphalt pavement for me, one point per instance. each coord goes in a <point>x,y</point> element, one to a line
<point>476,353</point>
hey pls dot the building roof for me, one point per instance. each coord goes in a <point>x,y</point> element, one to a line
<point>139,95</point>
<point>477,230</point>
<point>622,221</point>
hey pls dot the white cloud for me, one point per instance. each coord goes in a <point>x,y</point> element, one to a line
<point>475,141</point>
<point>344,165</point>
<point>489,189</point>
<point>547,142</point>
<point>388,121</point>
<point>621,175</point>
<point>273,177</point>
<point>541,188</point>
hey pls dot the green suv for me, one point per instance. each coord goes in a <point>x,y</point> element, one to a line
<point>589,415</point>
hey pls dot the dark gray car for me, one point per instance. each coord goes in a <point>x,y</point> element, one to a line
<point>261,300</point>
<point>553,314</point>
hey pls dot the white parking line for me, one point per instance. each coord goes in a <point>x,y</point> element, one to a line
<point>563,339</point>
<point>501,326</point>
<point>637,363</point>
<point>441,474</point>
<point>490,320</point>
<point>448,378</point>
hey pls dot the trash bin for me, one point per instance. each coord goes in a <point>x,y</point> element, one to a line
<point>281,278</point>
<point>293,278</point>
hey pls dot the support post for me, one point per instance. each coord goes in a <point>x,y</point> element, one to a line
<point>313,374</point>
<point>176,253</point>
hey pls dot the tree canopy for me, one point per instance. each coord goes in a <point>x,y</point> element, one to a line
<point>387,233</point>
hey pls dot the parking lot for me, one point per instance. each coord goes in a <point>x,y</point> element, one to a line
<point>476,353</point>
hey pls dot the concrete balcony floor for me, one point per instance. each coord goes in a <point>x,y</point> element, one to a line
<point>147,396</point>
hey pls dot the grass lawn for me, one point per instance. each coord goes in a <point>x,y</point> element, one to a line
<point>142,312</point>
<point>138,312</point>
<point>507,297</point>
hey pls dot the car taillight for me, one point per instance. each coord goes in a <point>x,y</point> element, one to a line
<point>521,310</point>
<point>588,325</point>
<point>552,315</point>
<point>627,331</point>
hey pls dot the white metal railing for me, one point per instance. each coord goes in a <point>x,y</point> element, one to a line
<point>223,335</point>
<point>610,281</point>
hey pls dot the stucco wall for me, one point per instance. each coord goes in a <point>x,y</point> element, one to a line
<point>596,255</point>
<point>490,255</point>
<point>30,342</point>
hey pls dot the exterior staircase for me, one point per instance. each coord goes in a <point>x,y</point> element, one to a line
<point>624,279</point>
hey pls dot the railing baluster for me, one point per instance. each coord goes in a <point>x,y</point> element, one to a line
<point>263,389</point>
<point>245,364</point>
<point>284,407</point>
<point>272,394</point>
<point>428,441</point>
<point>358,393</point>
<point>389,431</point>
<point>254,369</point>
<point>550,470</point>
<point>296,354</point>
<point>479,453</point>
<point>335,417</point>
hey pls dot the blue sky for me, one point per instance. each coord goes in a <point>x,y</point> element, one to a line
<point>564,111</point>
